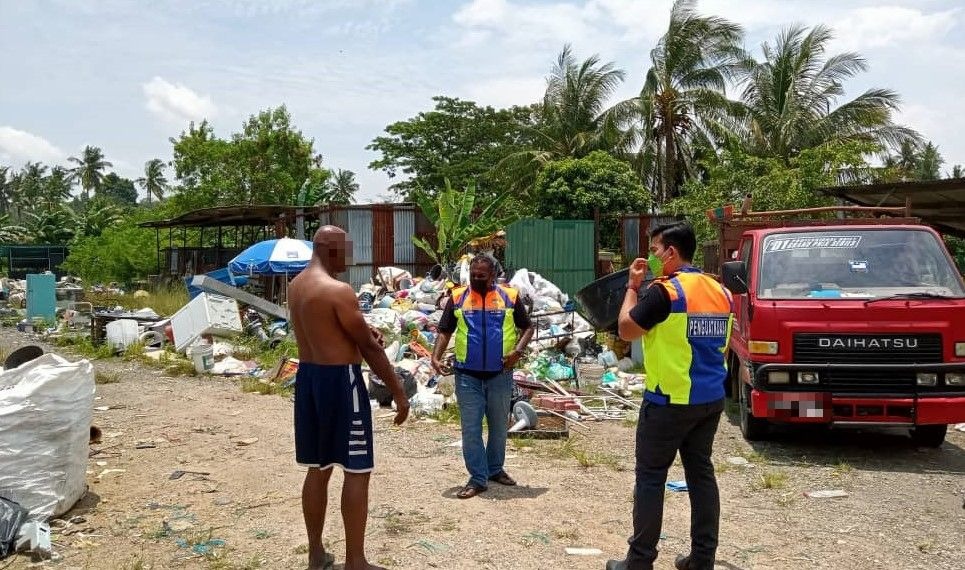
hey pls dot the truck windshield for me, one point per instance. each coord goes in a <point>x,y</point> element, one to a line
<point>864,264</point>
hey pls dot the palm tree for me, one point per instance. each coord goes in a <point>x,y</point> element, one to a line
<point>54,227</point>
<point>929,163</point>
<point>572,120</point>
<point>90,168</point>
<point>789,100</point>
<point>341,187</point>
<point>7,190</point>
<point>154,181</point>
<point>10,233</point>
<point>957,171</point>
<point>682,104</point>
<point>56,187</point>
<point>98,216</point>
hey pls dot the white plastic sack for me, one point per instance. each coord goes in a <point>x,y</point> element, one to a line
<point>45,417</point>
<point>520,282</point>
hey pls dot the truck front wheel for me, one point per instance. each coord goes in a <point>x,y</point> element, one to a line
<point>929,436</point>
<point>753,429</point>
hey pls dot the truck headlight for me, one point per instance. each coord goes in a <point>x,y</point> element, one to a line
<point>762,347</point>
<point>807,377</point>
<point>955,379</point>
<point>927,378</point>
<point>778,377</point>
<point>960,349</point>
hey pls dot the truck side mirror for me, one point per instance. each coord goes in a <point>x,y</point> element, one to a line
<point>734,276</point>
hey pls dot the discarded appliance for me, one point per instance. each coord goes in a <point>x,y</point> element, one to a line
<point>526,417</point>
<point>206,314</point>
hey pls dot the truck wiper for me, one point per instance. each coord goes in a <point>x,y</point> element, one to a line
<point>918,295</point>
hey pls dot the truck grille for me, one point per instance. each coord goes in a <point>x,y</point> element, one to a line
<point>811,348</point>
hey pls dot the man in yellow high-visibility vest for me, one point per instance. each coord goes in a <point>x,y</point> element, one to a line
<point>683,321</point>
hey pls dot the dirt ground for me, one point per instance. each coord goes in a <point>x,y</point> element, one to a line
<point>904,509</point>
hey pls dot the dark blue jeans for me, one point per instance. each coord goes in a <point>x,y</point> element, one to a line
<point>489,398</point>
<point>661,432</point>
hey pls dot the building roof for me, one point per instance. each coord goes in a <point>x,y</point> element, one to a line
<point>939,203</point>
<point>254,215</point>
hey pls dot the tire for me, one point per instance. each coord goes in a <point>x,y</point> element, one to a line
<point>732,389</point>
<point>753,429</point>
<point>929,435</point>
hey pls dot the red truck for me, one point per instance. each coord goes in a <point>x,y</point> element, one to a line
<point>854,321</point>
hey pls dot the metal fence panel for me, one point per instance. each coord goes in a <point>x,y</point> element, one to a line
<point>404,225</point>
<point>561,251</point>
<point>359,228</point>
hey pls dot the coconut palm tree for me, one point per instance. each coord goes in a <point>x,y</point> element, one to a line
<point>154,182</point>
<point>99,215</point>
<point>790,99</point>
<point>957,172</point>
<point>572,120</point>
<point>56,187</point>
<point>7,190</point>
<point>682,105</point>
<point>10,233</point>
<point>54,227</point>
<point>341,187</point>
<point>90,168</point>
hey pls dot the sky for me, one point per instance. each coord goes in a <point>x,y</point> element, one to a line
<point>128,75</point>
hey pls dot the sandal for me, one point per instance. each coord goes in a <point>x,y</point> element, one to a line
<point>503,478</point>
<point>470,491</point>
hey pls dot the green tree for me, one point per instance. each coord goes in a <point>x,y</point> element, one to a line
<point>51,227</point>
<point>118,189</point>
<point>57,188</point>
<point>342,187</point>
<point>458,141</point>
<point>577,188</point>
<point>790,99</point>
<point>929,163</point>
<point>122,252</point>
<point>9,233</point>
<point>154,182</point>
<point>99,215</point>
<point>682,106</point>
<point>7,190</point>
<point>89,172</point>
<point>957,172</point>
<point>266,163</point>
<point>774,184</point>
<point>454,215</point>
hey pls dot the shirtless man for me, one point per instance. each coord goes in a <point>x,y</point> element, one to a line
<point>333,418</point>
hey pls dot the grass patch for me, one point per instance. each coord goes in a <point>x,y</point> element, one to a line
<point>256,386</point>
<point>164,301</point>
<point>842,468</point>
<point>572,448</point>
<point>82,346</point>
<point>772,480</point>
<point>403,523</point>
<point>449,414</point>
<point>107,378</point>
<point>446,525</point>
<point>535,537</point>
<point>755,456</point>
<point>263,534</point>
<point>570,535</point>
<point>631,419</point>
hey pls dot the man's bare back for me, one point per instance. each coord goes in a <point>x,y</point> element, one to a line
<point>314,302</point>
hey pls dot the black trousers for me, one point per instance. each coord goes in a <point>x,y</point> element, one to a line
<point>661,432</point>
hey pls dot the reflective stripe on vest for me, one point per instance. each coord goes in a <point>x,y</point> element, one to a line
<point>684,356</point>
<point>485,329</point>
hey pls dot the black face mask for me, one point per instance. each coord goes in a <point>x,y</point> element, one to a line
<point>479,285</point>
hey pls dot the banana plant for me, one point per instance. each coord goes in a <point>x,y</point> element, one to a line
<point>456,222</point>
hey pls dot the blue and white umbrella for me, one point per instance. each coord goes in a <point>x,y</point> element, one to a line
<point>283,256</point>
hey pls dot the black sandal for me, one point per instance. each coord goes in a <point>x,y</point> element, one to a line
<point>470,491</point>
<point>503,478</point>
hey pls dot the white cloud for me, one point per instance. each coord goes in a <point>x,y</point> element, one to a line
<point>882,26</point>
<point>21,146</point>
<point>507,91</point>
<point>177,103</point>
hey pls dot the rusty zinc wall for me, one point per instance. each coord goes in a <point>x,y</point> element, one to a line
<point>381,236</point>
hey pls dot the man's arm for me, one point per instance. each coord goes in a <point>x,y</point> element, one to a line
<point>627,328</point>
<point>522,322</point>
<point>349,316</point>
<point>636,318</point>
<point>447,326</point>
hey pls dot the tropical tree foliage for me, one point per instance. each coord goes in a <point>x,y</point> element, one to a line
<point>90,169</point>
<point>154,182</point>
<point>453,214</point>
<point>790,100</point>
<point>341,188</point>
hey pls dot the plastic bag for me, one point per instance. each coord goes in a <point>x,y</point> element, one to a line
<point>45,417</point>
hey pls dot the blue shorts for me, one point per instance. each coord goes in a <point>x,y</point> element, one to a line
<point>333,418</point>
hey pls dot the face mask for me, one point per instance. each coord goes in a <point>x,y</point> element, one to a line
<point>655,264</point>
<point>479,285</point>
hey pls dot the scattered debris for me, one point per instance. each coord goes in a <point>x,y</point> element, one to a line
<point>740,461</point>
<point>826,494</point>
<point>677,486</point>
<point>583,551</point>
<point>177,474</point>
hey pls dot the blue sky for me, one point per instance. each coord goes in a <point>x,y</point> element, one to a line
<point>128,75</point>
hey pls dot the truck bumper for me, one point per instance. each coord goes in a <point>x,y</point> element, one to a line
<point>825,407</point>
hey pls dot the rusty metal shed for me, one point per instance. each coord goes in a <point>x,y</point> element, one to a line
<point>939,203</point>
